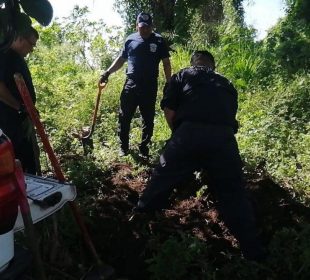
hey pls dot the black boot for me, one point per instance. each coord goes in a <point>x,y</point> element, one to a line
<point>144,152</point>
<point>123,151</point>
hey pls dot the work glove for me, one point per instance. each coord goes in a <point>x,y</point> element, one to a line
<point>104,77</point>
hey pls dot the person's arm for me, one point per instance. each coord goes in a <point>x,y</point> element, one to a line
<point>7,98</point>
<point>167,68</point>
<point>116,65</point>
<point>170,117</point>
<point>170,101</point>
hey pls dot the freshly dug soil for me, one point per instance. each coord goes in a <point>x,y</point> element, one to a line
<point>125,242</point>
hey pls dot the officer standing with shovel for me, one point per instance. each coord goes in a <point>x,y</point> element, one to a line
<point>143,52</point>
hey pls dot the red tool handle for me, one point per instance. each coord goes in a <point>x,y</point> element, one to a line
<point>19,181</point>
<point>32,111</point>
<point>54,161</point>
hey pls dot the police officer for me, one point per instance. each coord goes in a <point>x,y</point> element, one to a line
<point>14,119</point>
<point>200,107</point>
<point>143,51</point>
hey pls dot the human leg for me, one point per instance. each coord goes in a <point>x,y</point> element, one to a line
<point>147,102</point>
<point>175,165</point>
<point>30,153</point>
<point>226,178</point>
<point>128,106</point>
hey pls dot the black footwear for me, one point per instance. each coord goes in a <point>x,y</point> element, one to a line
<point>144,152</point>
<point>254,251</point>
<point>123,152</point>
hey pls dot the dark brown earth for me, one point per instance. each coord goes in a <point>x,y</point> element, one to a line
<point>125,241</point>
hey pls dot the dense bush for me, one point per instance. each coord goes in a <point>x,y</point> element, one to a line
<point>274,131</point>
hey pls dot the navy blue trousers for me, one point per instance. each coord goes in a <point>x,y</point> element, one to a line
<point>22,135</point>
<point>193,147</point>
<point>135,95</point>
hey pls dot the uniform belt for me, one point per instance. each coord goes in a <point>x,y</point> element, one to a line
<point>141,79</point>
<point>208,124</point>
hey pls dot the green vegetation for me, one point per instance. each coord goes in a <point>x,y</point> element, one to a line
<point>273,81</point>
<point>274,99</point>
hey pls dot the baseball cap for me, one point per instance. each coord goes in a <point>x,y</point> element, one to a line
<point>144,19</point>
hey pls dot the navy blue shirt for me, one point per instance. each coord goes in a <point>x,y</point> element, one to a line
<point>144,55</point>
<point>198,94</point>
<point>10,63</point>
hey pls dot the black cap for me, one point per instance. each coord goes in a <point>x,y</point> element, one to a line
<point>144,19</point>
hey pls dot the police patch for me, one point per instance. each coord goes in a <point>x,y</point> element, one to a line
<point>153,47</point>
<point>145,17</point>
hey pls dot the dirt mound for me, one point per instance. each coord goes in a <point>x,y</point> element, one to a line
<point>125,242</point>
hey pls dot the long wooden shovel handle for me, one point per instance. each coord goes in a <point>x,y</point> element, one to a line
<point>101,86</point>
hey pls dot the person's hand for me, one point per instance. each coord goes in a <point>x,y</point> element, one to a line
<point>104,77</point>
<point>166,86</point>
<point>22,112</point>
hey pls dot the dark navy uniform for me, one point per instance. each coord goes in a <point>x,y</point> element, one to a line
<point>143,57</point>
<point>17,126</point>
<point>203,138</point>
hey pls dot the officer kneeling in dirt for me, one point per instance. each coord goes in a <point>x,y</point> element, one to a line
<point>200,107</point>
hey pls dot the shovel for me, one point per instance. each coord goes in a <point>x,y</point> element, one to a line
<point>86,132</point>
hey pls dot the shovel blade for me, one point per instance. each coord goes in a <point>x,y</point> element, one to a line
<point>88,145</point>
